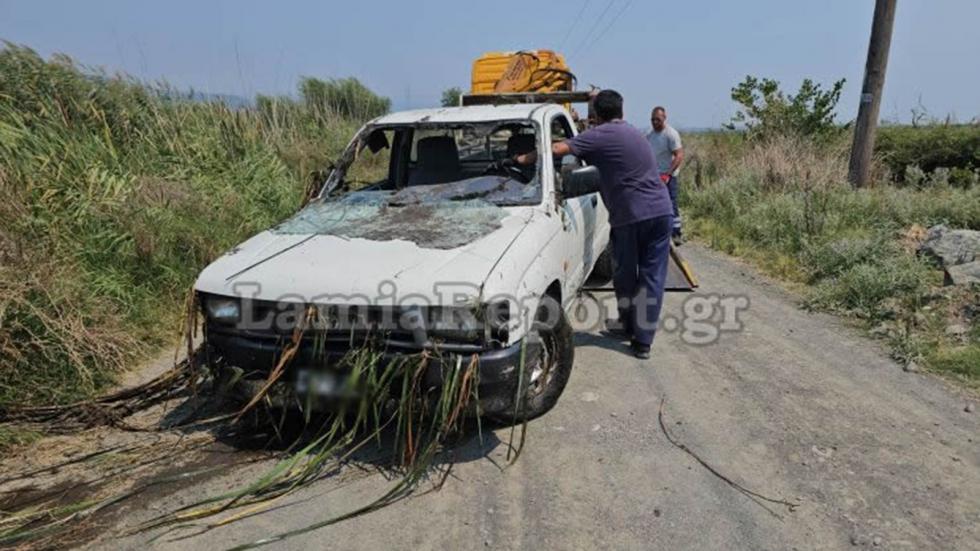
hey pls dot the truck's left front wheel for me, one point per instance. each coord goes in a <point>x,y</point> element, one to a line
<point>545,378</point>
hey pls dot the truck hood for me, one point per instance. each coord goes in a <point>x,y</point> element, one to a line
<point>299,261</point>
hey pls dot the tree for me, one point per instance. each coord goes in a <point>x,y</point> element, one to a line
<point>450,96</point>
<point>768,112</point>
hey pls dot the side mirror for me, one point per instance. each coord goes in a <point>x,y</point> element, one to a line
<point>580,181</point>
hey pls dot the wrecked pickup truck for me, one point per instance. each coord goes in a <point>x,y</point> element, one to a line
<point>425,236</point>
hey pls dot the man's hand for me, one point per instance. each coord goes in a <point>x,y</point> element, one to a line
<point>560,149</point>
<point>526,158</point>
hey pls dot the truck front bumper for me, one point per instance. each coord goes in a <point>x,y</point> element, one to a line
<point>249,360</point>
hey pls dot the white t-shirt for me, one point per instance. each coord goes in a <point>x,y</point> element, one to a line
<point>664,144</point>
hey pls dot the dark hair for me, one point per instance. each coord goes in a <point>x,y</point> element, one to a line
<point>658,108</point>
<point>608,105</point>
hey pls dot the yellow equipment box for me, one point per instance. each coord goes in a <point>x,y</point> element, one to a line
<point>523,71</point>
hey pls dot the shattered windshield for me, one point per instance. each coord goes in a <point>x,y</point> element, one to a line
<point>438,185</point>
<point>441,225</point>
<point>429,163</point>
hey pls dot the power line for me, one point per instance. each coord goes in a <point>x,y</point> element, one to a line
<point>609,26</point>
<point>598,20</point>
<point>611,23</point>
<point>574,23</point>
<point>595,24</point>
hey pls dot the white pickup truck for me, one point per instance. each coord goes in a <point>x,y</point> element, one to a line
<point>424,236</point>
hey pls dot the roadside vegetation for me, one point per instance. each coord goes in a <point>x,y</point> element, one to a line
<point>775,191</point>
<point>115,194</point>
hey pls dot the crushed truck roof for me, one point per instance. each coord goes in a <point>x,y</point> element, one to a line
<point>476,113</point>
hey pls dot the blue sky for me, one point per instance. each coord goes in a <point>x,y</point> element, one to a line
<point>685,55</point>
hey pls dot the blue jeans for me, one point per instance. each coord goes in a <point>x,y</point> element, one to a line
<point>641,251</point>
<point>672,187</point>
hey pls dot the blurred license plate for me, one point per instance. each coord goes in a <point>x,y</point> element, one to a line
<point>318,383</point>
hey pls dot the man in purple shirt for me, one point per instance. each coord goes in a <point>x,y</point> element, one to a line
<point>639,213</point>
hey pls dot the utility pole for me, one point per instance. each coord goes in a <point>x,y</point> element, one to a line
<point>874,80</point>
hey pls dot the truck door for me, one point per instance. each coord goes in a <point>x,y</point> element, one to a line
<point>580,215</point>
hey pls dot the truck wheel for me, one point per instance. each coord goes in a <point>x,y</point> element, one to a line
<point>604,268</point>
<point>545,379</point>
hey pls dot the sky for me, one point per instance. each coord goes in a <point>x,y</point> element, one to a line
<point>683,55</point>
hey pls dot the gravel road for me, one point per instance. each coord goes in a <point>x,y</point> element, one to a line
<point>795,406</point>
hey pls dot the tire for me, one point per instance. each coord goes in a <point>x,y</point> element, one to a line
<point>604,268</point>
<point>545,379</point>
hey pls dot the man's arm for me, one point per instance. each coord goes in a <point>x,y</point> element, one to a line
<point>676,150</point>
<point>560,149</point>
<point>676,159</point>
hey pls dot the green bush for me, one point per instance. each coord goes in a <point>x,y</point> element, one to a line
<point>767,112</point>
<point>863,287</point>
<point>928,148</point>
<point>834,258</point>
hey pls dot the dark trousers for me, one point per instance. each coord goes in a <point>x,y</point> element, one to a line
<point>672,187</point>
<point>641,251</point>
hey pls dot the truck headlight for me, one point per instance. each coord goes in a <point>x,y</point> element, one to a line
<point>497,321</point>
<point>223,309</point>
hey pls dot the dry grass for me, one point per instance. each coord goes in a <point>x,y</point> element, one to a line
<point>792,164</point>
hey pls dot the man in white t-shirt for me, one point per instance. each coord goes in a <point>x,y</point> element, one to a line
<point>669,152</point>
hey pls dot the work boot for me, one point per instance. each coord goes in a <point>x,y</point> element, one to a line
<point>616,329</point>
<point>641,351</point>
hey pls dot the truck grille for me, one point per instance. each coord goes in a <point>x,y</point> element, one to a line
<point>418,327</point>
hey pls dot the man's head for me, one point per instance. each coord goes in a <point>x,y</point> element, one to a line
<point>608,106</point>
<point>658,118</point>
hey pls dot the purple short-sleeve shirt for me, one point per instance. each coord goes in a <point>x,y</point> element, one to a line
<point>631,188</point>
